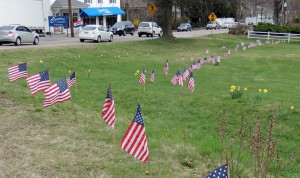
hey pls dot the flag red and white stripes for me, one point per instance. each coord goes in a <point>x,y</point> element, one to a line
<point>185,74</point>
<point>152,77</point>
<point>134,141</point>
<point>71,80</point>
<point>180,81</point>
<point>142,79</point>
<point>58,92</point>
<point>191,83</point>
<point>108,111</point>
<point>17,71</point>
<point>39,82</point>
<point>166,68</point>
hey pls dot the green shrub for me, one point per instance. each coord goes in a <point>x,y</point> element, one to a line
<point>266,27</point>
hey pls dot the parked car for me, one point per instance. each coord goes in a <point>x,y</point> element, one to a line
<point>18,34</point>
<point>97,33</point>
<point>184,27</point>
<point>213,25</point>
<point>145,28</point>
<point>123,28</point>
<point>229,25</point>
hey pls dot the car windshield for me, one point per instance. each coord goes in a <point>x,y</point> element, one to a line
<point>7,27</point>
<point>119,24</point>
<point>89,28</point>
<point>144,25</point>
<point>183,25</point>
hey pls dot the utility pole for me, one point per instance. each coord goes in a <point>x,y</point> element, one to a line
<point>71,18</point>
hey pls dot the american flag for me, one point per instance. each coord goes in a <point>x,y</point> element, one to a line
<point>166,68</point>
<point>194,66</point>
<point>185,74</point>
<point>198,65</point>
<point>191,83</point>
<point>191,68</point>
<point>17,71</point>
<point>180,81</point>
<point>71,80</point>
<point>38,82</point>
<point>142,79</point>
<point>58,92</point>
<point>221,172</point>
<point>108,111</point>
<point>175,78</point>
<point>152,78</point>
<point>134,141</point>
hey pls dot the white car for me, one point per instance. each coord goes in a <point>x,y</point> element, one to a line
<point>18,34</point>
<point>97,33</point>
<point>149,29</point>
<point>229,25</point>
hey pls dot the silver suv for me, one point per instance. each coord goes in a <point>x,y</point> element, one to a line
<point>18,34</point>
<point>213,25</point>
<point>149,29</point>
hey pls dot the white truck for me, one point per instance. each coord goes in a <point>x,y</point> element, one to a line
<point>30,13</point>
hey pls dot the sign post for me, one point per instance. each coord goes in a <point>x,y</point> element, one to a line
<point>212,17</point>
<point>152,9</point>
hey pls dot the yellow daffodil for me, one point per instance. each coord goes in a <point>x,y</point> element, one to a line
<point>41,61</point>
<point>89,70</point>
<point>265,90</point>
<point>78,55</point>
<point>135,73</point>
<point>292,107</point>
<point>69,71</point>
<point>233,87</point>
<point>232,90</point>
<point>246,89</point>
<point>259,90</point>
<point>239,88</point>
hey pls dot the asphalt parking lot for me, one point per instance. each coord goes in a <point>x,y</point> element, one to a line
<point>62,40</point>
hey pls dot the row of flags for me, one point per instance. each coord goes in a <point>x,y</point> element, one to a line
<point>54,93</point>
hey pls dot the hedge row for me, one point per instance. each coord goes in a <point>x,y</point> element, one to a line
<point>265,27</point>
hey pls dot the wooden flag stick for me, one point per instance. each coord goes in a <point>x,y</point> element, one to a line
<point>76,83</point>
<point>74,112</point>
<point>113,135</point>
<point>228,162</point>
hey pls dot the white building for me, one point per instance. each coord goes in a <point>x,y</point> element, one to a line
<point>34,13</point>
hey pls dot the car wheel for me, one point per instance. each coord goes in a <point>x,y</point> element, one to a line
<point>139,34</point>
<point>132,33</point>
<point>36,41</point>
<point>120,34</point>
<point>152,34</point>
<point>81,40</point>
<point>18,41</point>
<point>0,44</point>
<point>98,39</point>
<point>111,38</point>
<point>147,35</point>
<point>159,35</point>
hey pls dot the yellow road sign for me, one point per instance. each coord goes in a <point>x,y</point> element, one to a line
<point>212,17</point>
<point>151,8</point>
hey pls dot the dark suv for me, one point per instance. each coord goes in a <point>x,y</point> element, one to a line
<point>122,28</point>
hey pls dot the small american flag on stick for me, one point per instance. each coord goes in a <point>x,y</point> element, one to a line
<point>185,74</point>
<point>58,92</point>
<point>39,82</point>
<point>174,80</point>
<point>191,83</point>
<point>17,71</point>
<point>108,111</point>
<point>166,68</point>
<point>221,172</point>
<point>134,141</point>
<point>71,80</point>
<point>152,77</point>
<point>142,79</point>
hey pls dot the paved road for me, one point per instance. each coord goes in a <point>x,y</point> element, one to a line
<point>63,40</point>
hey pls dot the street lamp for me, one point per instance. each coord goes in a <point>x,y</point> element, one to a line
<point>284,5</point>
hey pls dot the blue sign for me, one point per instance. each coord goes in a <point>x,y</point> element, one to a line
<point>58,21</point>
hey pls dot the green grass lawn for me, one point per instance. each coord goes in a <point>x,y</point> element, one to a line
<point>181,126</point>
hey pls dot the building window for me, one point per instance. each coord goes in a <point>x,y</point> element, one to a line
<point>88,1</point>
<point>100,1</point>
<point>112,1</point>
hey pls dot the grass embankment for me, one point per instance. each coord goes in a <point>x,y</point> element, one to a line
<point>181,126</point>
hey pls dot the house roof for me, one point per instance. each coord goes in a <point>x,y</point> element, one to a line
<point>63,4</point>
